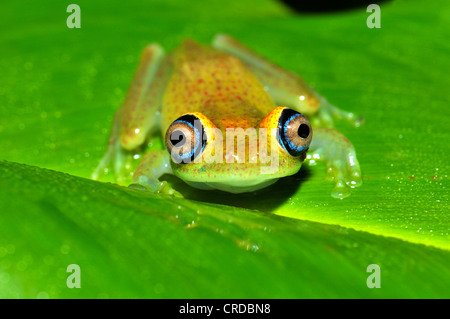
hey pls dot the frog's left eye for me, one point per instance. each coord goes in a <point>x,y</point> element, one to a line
<point>294,132</point>
<point>185,138</point>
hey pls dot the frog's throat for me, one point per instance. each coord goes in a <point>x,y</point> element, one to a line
<point>235,187</point>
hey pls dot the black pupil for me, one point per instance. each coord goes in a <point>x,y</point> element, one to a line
<point>303,131</point>
<point>177,138</point>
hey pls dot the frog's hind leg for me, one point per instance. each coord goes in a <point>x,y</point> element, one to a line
<point>137,116</point>
<point>286,88</point>
<point>327,112</point>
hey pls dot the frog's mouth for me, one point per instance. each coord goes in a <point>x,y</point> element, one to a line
<point>234,187</point>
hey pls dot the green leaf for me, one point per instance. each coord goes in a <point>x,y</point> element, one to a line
<point>60,88</point>
<point>134,244</point>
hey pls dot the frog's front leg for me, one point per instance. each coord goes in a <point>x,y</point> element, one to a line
<point>285,87</point>
<point>137,116</point>
<point>153,165</point>
<point>115,157</point>
<point>335,149</point>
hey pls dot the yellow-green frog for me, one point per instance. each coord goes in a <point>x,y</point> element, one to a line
<point>215,108</point>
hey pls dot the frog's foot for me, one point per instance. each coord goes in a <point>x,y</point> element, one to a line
<point>339,154</point>
<point>152,166</point>
<point>117,161</point>
<point>157,187</point>
<point>327,112</point>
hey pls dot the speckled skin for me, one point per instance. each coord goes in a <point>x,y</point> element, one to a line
<point>220,90</point>
<point>226,86</point>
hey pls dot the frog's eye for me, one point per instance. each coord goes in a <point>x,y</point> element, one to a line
<point>185,138</point>
<point>294,132</point>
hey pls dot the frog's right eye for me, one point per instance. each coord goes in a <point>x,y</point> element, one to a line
<point>185,138</point>
<point>294,132</point>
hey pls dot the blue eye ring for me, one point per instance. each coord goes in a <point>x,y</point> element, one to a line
<point>192,126</point>
<point>294,132</point>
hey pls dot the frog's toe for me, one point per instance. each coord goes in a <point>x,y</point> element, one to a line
<point>346,174</point>
<point>330,146</point>
<point>123,167</point>
<point>328,112</point>
<point>165,189</point>
<point>359,120</point>
<point>117,163</point>
<point>105,167</point>
<point>155,186</point>
<point>102,168</point>
<point>354,178</point>
<point>322,118</point>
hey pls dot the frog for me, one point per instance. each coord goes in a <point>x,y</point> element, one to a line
<point>230,120</point>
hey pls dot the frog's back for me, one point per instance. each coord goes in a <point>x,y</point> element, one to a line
<point>216,84</point>
<point>189,51</point>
